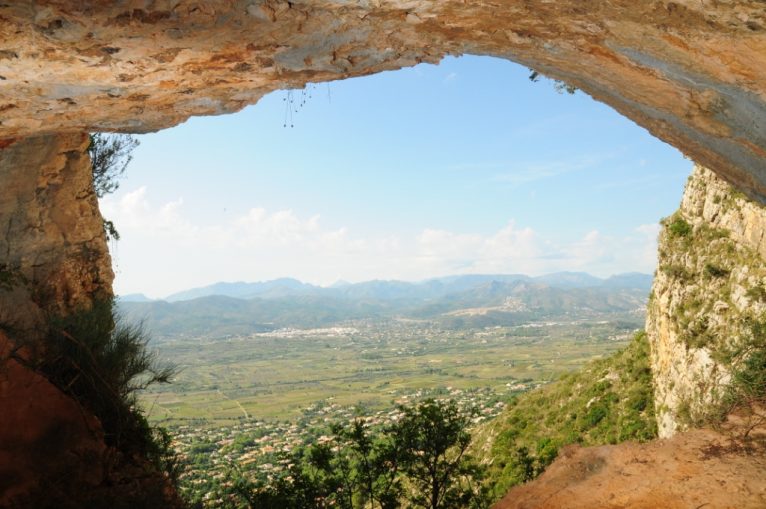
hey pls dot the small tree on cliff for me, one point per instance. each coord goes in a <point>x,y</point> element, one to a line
<point>110,155</point>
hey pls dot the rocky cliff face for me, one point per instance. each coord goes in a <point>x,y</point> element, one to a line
<point>53,252</point>
<point>709,292</point>
<point>53,260</point>
<point>692,72</point>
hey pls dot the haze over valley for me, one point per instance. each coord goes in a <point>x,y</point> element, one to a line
<point>225,309</point>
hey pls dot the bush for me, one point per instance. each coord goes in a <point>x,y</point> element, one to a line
<point>102,363</point>
<point>678,227</point>
<point>746,395</point>
<point>715,270</point>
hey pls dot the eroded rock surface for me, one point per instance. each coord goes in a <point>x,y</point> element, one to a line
<point>53,252</point>
<point>708,292</point>
<point>53,261</point>
<point>693,73</point>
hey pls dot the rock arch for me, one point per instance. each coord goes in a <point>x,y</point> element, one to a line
<point>693,72</point>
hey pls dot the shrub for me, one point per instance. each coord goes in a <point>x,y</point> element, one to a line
<point>757,292</point>
<point>102,363</point>
<point>678,227</point>
<point>746,394</point>
<point>677,272</point>
<point>715,271</point>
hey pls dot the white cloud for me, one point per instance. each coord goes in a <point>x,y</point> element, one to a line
<point>162,250</point>
<point>450,77</point>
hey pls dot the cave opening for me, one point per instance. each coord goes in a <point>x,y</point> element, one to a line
<point>464,152</point>
<point>689,72</point>
<point>465,168</point>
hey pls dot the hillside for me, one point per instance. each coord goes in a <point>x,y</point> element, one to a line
<point>606,402</point>
<point>701,364</point>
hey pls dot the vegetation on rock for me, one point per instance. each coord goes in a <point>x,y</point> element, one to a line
<point>607,402</point>
<point>110,155</point>
<point>103,363</point>
<point>707,311</point>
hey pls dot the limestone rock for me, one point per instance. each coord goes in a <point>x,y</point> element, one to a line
<point>53,260</point>
<point>708,286</point>
<point>53,252</point>
<point>693,73</point>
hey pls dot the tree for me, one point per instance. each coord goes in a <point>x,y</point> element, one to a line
<point>434,440</point>
<point>369,466</point>
<point>110,155</point>
<point>421,457</point>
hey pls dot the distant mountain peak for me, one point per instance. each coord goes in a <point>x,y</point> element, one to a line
<point>396,289</point>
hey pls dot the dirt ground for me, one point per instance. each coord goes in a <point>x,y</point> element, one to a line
<point>699,469</point>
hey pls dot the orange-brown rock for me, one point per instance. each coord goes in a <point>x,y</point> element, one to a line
<point>52,450</point>
<point>53,260</point>
<point>693,470</point>
<point>692,72</point>
<point>47,441</point>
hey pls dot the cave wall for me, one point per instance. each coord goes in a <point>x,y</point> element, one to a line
<point>692,72</point>
<point>53,251</point>
<point>708,290</point>
<point>53,260</point>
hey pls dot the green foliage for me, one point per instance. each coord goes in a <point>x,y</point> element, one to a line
<point>111,230</point>
<point>103,363</point>
<point>746,393</point>
<point>560,86</point>
<point>609,401</point>
<point>678,227</point>
<point>421,459</point>
<point>110,155</point>
<point>434,440</point>
<point>757,292</point>
<point>677,272</point>
<point>713,270</point>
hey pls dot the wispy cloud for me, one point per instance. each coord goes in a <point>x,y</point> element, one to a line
<point>522,173</point>
<point>636,183</point>
<point>262,244</point>
<point>517,173</point>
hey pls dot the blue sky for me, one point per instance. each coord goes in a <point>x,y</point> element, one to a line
<point>463,167</point>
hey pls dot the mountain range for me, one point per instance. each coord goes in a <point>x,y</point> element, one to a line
<point>454,301</point>
<point>392,289</point>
